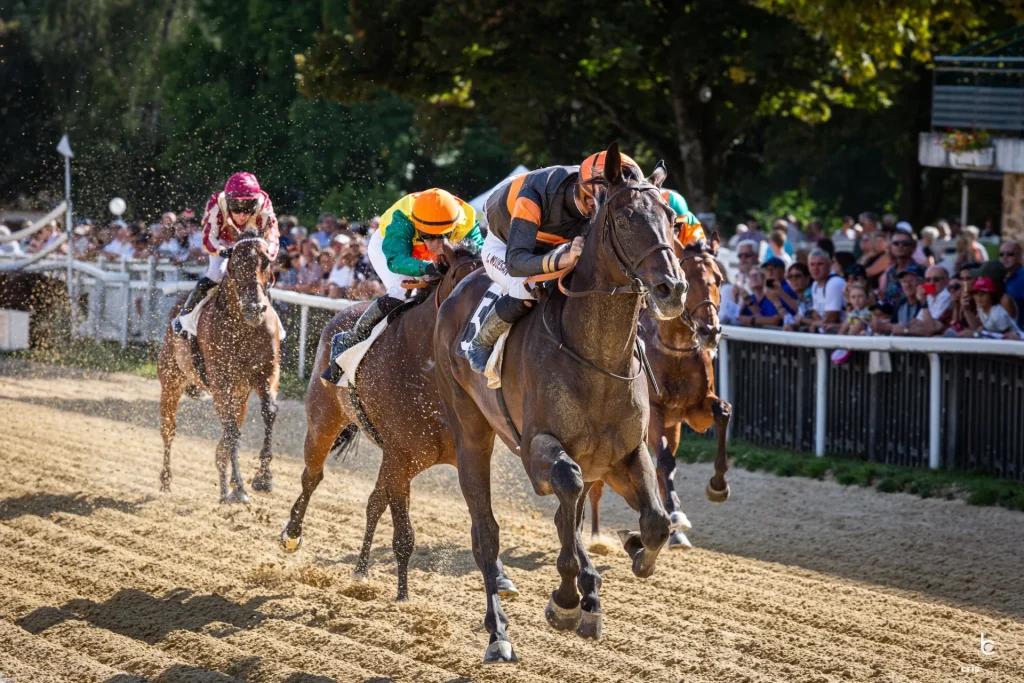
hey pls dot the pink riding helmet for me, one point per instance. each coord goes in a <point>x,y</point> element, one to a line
<point>243,186</point>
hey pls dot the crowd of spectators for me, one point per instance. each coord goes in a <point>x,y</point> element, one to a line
<point>888,281</point>
<point>892,281</point>
<point>330,262</point>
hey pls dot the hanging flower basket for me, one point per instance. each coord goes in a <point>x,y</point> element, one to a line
<point>969,148</point>
<point>975,158</point>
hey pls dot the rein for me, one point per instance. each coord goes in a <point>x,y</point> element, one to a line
<point>628,268</point>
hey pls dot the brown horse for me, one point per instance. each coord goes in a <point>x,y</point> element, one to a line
<point>571,384</point>
<point>239,351</point>
<point>680,351</point>
<point>395,386</point>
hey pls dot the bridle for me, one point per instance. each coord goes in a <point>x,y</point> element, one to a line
<point>687,315</point>
<point>608,224</point>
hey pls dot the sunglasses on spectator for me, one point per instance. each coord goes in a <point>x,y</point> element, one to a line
<point>746,254</point>
<point>1007,253</point>
<point>794,276</point>
<point>902,243</point>
<point>935,279</point>
<point>954,288</point>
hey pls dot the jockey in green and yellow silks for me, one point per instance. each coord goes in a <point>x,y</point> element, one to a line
<point>406,247</point>
<point>688,228</point>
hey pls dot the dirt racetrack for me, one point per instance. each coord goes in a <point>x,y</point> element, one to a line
<point>104,579</point>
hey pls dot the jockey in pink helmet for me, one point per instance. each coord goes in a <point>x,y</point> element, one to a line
<point>241,206</point>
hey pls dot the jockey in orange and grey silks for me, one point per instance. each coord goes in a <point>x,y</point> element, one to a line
<point>535,224</point>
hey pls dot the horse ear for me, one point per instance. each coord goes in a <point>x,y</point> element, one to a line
<point>612,165</point>
<point>714,241</point>
<point>659,175</point>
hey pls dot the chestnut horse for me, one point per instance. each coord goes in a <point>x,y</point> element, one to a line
<point>572,386</point>
<point>680,351</point>
<point>395,386</point>
<point>239,349</point>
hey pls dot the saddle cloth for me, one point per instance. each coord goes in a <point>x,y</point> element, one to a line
<point>351,358</point>
<point>487,301</point>
<point>190,322</point>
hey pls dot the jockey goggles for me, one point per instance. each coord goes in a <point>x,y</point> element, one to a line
<point>242,205</point>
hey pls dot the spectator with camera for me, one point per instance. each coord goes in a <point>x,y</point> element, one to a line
<point>758,310</point>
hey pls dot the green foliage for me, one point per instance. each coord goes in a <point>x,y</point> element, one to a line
<point>799,203</point>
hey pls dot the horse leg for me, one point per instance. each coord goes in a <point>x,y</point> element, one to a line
<point>634,480</point>
<point>549,461</point>
<point>404,538</point>
<point>588,580</point>
<point>717,489</point>
<point>323,428</point>
<point>171,388</point>
<point>665,449</point>
<point>264,479</point>
<point>596,491</point>
<point>375,507</point>
<point>231,418</point>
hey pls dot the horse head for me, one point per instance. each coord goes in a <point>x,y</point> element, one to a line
<point>704,297</point>
<point>247,277</point>
<point>461,261</point>
<point>628,240</point>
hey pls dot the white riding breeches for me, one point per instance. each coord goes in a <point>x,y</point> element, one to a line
<point>217,269</point>
<point>393,281</point>
<point>493,253</point>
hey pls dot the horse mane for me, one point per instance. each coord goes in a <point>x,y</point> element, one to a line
<point>465,250</point>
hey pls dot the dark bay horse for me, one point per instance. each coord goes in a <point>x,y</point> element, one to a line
<point>680,351</point>
<point>240,349</point>
<point>576,392</point>
<point>396,388</point>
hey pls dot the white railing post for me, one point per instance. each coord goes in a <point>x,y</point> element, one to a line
<point>724,379</point>
<point>820,393</point>
<point>150,322</point>
<point>934,410</point>
<point>126,304</point>
<point>303,323</point>
<point>97,304</point>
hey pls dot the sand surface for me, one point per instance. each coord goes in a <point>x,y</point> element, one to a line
<point>102,578</point>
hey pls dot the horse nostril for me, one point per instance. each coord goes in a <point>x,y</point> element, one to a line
<point>663,291</point>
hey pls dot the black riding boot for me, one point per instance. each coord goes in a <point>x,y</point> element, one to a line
<point>506,312</point>
<point>343,341</point>
<point>202,288</point>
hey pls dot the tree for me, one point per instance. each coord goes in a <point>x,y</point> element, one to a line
<point>683,82</point>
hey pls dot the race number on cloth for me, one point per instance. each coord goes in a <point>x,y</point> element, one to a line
<point>483,309</point>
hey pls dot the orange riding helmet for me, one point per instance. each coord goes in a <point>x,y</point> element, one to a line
<point>436,212</point>
<point>593,168</point>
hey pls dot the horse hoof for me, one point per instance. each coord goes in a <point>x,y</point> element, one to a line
<point>165,487</point>
<point>360,576</point>
<point>289,544</point>
<point>500,652</point>
<point>506,588</point>
<point>679,520</point>
<point>590,625</point>
<point>560,618</point>
<point>716,496</point>
<point>236,496</point>
<point>263,483</point>
<point>678,541</point>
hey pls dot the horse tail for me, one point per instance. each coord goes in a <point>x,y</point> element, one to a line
<point>346,443</point>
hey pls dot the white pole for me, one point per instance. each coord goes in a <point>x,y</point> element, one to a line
<point>303,320</point>
<point>820,391</point>
<point>934,410</point>
<point>724,387</point>
<point>963,201</point>
<point>67,224</point>
<point>126,305</point>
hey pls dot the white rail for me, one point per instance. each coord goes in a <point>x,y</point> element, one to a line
<point>35,227</point>
<point>932,346</point>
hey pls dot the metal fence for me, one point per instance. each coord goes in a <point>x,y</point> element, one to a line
<point>884,417</point>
